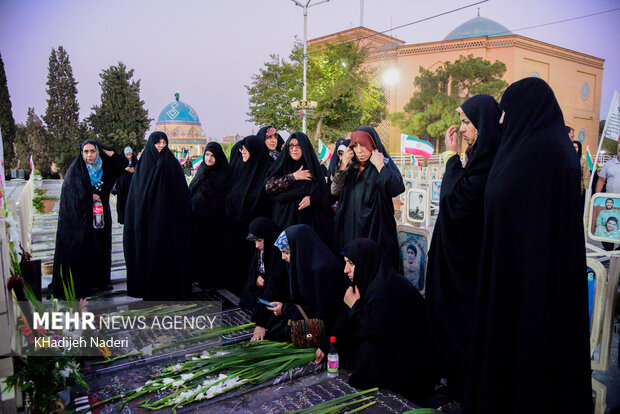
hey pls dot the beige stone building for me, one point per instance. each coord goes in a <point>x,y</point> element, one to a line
<point>576,78</point>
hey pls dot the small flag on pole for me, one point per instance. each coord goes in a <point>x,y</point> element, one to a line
<point>589,158</point>
<point>416,163</point>
<point>324,152</point>
<point>31,163</point>
<point>197,163</point>
<point>416,146</point>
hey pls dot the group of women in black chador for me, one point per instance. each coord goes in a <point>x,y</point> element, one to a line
<point>505,317</point>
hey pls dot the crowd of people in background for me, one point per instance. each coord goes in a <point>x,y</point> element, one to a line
<point>505,316</point>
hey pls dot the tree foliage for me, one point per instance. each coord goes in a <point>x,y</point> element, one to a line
<point>62,113</point>
<point>121,119</point>
<point>344,89</point>
<point>431,109</point>
<point>7,123</point>
<point>33,139</point>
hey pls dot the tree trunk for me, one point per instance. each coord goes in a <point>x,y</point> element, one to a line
<point>318,131</point>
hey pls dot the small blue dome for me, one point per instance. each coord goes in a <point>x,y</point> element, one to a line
<point>178,111</point>
<point>478,26</point>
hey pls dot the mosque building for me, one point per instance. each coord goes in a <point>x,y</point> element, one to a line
<point>576,78</point>
<point>181,124</point>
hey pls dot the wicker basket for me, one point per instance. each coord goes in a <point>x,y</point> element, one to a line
<point>47,268</point>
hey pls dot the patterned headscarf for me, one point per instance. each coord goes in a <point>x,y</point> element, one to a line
<point>282,243</point>
<point>94,170</point>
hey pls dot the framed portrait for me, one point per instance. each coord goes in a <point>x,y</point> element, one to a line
<point>409,184</point>
<point>435,190</point>
<point>604,217</point>
<point>413,243</point>
<point>417,206</point>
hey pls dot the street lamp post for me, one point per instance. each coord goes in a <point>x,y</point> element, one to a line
<point>305,7</point>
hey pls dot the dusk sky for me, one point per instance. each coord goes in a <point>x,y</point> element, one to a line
<point>208,50</point>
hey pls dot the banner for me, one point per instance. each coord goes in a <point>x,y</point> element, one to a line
<point>416,146</point>
<point>324,152</point>
<point>197,163</point>
<point>612,123</point>
<point>589,158</point>
<point>31,164</point>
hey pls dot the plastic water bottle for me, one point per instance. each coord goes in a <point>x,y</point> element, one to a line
<point>98,215</point>
<point>332,359</point>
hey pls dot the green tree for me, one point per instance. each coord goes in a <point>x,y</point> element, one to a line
<point>62,113</point>
<point>7,123</point>
<point>121,119</point>
<point>344,89</point>
<point>431,109</point>
<point>33,139</point>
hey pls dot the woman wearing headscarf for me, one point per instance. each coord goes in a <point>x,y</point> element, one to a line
<point>82,251</point>
<point>122,184</point>
<point>367,180</point>
<point>297,187</point>
<point>382,334</point>
<point>267,278</point>
<point>530,349</point>
<point>340,148</point>
<point>273,140</point>
<point>316,282</point>
<point>156,235</point>
<point>208,193</point>
<point>245,201</point>
<point>457,238</point>
<point>585,170</point>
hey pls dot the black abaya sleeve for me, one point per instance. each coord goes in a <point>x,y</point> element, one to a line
<point>391,182</point>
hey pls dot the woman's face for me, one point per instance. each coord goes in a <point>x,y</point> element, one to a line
<point>286,256</point>
<point>209,159</point>
<point>294,149</point>
<point>89,153</point>
<point>128,155</point>
<point>361,152</point>
<point>260,244</point>
<point>161,145</point>
<point>349,268</point>
<point>245,154</point>
<point>467,129</point>
<point>271,142</point>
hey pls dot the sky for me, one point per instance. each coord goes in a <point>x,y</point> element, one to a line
<point>208,50</point>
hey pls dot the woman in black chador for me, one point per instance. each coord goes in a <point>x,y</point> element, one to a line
<point>273,140</point>
<point>82,250</point>
<point>246,200</point>
<point>457,238</point>
<point>316,282</point>
<point>297,186</point>
<point>122,184</point>
<point>208,192</point>
<point>367,180</point>
<point>382,335</point>
<point>156,235</point>
<point>267,278</point>
<point>530,351</point>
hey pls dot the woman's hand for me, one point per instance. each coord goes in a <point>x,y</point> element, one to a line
<point>277,310</point>
<point>96,197</point>
<point>302,174</point>
<point>319,356</point>
<point>260,282</point>
<point>452,137</point>
<point>347,157</point>
<point>351,296</point>
<point>109,153</point>
<point>129,169</point>
<point>377,160</point>
<point>259,334</point>
<point>305,202</point>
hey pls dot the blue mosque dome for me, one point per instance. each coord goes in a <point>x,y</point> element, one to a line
<point>178,111</point>
<point>478,26</point>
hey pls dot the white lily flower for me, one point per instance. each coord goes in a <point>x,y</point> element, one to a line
<point>168,381</point>
<point>65,372</point>
<point>200,396</point>
<point>177,383</point>
<point>177,367</point>
<point>185,377</point>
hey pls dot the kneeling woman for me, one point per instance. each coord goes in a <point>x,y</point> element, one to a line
<point>82,250</point>
<point>316,282</point>
<point>383,336</point>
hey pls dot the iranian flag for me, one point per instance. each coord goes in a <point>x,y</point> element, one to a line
<point>417,163</point>
<point>589,158</point>
<point>31,163</point>
<point>416,146</point>
<point>324,152</point>
<point>196,163</point>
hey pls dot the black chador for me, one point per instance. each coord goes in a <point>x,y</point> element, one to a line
<point>245,201</point>
<point>81,250</point>
<point>288,193</point>
<point>122,189</point>
<point>208,193</point>
<point>457,238</point>
<point>530,351</point>
<point>157,226</point>
<point>365,206</point>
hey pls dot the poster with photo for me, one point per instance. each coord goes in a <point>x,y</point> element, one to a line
<point>413,243</point>
<point>604,217</point>
<point>417,206</point>
<point>435,190</point>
